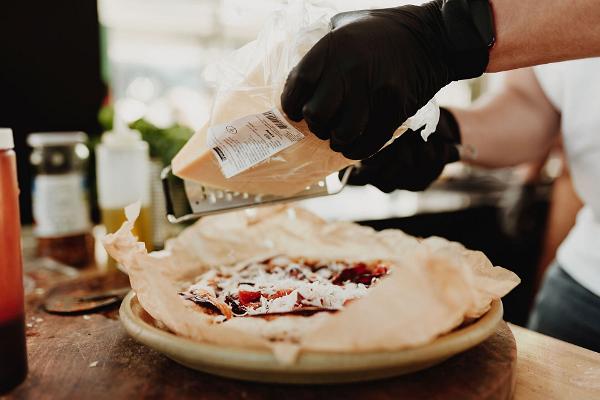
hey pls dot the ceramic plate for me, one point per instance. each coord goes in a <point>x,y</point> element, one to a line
<point>311,367</point>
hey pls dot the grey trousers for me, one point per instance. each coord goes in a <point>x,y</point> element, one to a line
<point>566,310</point>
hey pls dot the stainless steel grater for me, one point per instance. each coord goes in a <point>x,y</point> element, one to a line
<point>187,200</point>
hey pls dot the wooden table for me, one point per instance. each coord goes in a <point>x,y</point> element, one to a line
<point>548,368</point>
<point>91,356</point>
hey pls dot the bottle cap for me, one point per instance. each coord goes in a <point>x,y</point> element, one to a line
<point>123,139</point>
<point>39,139</point>
<point>6,139</point>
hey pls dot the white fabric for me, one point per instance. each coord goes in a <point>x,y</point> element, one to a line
<point>574,89</point>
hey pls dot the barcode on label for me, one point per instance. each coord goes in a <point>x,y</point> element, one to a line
<point>220,153</point>
<point>273,118</point>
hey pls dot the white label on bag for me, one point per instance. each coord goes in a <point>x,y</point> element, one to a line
<point>60,205</point>
<point>245,142</point>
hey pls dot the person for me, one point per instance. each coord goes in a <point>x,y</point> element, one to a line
<point>376,68</point>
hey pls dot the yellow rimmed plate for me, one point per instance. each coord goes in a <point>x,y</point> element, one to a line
<point>311,367</point>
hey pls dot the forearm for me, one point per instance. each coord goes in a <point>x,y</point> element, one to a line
<point>514,126</point>
<point>532,32</point>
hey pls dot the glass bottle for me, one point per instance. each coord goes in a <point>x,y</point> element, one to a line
<point>13,355</point>
<point>60,200</point>
<point>123,177</point>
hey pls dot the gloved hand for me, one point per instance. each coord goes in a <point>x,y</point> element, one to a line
<point>409,162</point>
<point>367,76</point>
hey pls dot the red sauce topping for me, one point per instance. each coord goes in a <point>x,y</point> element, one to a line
<point>247,296</point>
<point>279,293</point>
<point>360,274</point>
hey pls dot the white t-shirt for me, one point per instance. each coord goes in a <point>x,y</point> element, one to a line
<point>574,89</point>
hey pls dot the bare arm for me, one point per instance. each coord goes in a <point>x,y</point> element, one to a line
<point>513,126</point>
<point>532,32</point>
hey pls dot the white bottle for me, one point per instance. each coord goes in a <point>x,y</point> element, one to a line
<point>123,178</point>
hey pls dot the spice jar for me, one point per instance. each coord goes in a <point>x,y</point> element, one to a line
<point>13,357</point>
<point>60,201</point>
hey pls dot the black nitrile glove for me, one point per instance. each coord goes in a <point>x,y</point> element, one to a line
<point>367,76</point>
<point>409,162</point>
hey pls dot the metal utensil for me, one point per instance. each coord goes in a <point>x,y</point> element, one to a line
<point>78,304</point>
<point>187,200</point>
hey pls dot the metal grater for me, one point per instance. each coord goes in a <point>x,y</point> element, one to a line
<point>187,200</point>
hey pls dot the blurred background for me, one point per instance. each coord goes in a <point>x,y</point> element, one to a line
<point>135,67</point>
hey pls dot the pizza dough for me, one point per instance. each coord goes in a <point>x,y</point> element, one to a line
<point>432,285</point>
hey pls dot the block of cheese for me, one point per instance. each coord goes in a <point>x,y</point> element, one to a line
<point>286,172</point>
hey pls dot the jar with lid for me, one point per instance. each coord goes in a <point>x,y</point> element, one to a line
<point>13,356</point>
<point>60,201</point>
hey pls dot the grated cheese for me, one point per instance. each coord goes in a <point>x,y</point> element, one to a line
<point>284,284</point>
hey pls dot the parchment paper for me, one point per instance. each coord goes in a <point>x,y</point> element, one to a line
<point>434,284</point>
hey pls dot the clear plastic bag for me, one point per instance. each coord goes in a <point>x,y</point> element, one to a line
<point>250,81</point>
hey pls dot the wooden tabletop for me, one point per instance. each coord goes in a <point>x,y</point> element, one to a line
<point>91,356</point>
<point>548,368</point>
